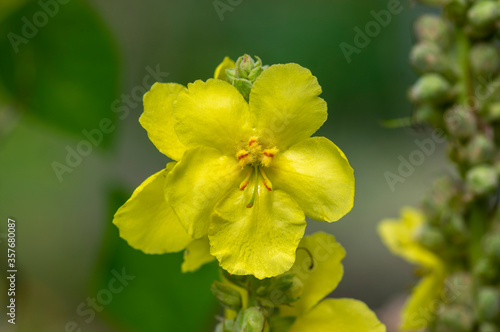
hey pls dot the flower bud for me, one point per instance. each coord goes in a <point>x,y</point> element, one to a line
<point>456,318</point>
<point>430,88</point>
<point>250,320</point>
<point>482,179</point>
<point>460,121</point>
<point>430,237</point>
<point>432,28</point>
<point>227,295</point>
<point>458,288</point>
<point>488,304</point>
<point>244,86</point>
<point>488,327</point>
<point>484,59</point>
<point>491,245</point>
<point>456,10</point>
<point>456,228</point>
<point>480,149</point>
<point>226,326</point>
<point>483,14</point>
<point>428,114</point>
<point>427,57</point>
<point>492,112</point>
<point>485,269</point>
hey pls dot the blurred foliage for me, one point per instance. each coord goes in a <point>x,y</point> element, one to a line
<point>66,71</point>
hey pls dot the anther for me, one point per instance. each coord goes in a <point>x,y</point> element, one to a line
<point>266,180</point>
<point>244,184</point>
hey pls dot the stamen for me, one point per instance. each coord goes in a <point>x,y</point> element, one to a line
<point>244,158</point>
<point>244,184</point>
<point>255,188</point>
<point>253,141</point>
<point>267,156</point>
<point>266,181</point>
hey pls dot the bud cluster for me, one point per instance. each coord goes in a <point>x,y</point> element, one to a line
<point>260,311</point>
<point>245,73</point>
<point>458,60</point>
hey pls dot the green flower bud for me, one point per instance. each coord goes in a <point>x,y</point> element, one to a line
<point>250,320</point>
<point>428,114</point>
<point>432,28</point>
<point>458,288</point>
<point>485,269</point>
<point>430,88</point>
<point>230,75</point>
<point>456,10</point>
<point>488,327</point>
<point>482,179</point>
<point>226,326</point>
<point>430,237</point>
<point>488,304</point>
<point>491,245</point>
<point>244,86</point>
<point>484,59</point>
<point>427,57</point>
<point>480,149</point>
<point>460,121</point>
<point>456,228</point>
<point>483,14</point>
<point>492,112</point>
<point>227,295</point>
<point>456,318</point>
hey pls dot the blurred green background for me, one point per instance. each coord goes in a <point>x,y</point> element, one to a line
<point>68,68</point>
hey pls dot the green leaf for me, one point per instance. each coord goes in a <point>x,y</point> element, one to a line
<point>60,63</point>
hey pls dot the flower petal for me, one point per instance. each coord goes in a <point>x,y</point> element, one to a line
<point>220,71</point>
<point>158,118</point>
<point>317,175</point>
<point>320,276</point>
<point>339,315</point>
<point>422,304</point>
<point>197,183</point>
<point>400,237</point>
<point>284,101</point>
<point>260,240</point>
<point>197,254</point>
<point>213,114</point>
<point>147,222</point>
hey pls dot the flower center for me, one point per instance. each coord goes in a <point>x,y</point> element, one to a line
<point>257,156</point>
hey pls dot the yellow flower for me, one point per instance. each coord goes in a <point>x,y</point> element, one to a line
<point>246,174</point>
<point>319,278</point>
<point>400,237</point>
